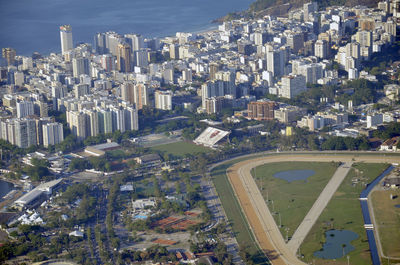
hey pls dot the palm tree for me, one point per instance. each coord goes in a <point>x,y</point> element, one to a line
<point>343,247</point>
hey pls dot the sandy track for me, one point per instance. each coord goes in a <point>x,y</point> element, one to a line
<point>261,221</point>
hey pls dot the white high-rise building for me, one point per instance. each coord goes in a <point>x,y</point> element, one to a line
<point>292,85</point>
<point>136,41</point>
<point>77,123</point>
<point>25,108</point>
<point>131,119</point>
<point>25,132</point>
<point>66,38</point>
<point>52,133</point>
<point>163,100</point>
<point>211,89</point>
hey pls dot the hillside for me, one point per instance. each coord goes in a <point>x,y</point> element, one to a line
<point>261,8</point>
<point>281,7</point>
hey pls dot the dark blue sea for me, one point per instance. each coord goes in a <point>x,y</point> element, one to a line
<point>33,25</point>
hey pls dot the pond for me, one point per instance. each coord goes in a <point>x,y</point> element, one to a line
<point>5,187</point>
<point>337,244</point>
<point>397,206</point>
<point>293,175</point>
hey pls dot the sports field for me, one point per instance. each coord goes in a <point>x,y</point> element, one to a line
<point>181,148</point>
<point>292,200</point>
<point>343,212</point>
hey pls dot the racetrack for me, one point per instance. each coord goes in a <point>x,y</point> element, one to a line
<point>260,219</point>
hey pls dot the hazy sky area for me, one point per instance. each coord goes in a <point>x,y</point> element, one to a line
<point>30,26</point>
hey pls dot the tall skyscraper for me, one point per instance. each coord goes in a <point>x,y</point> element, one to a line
<point>127,92</point>
<point>25,108</point>
<point>292,85</point>
<point>136,41</point>
<point>124,58</point>
<point>9,54</point>
<point>77,123</point>
<point>66,38</point>
<point>100,43</point>
<point>52,133</point>
<point>321,49</point>
<point>275,60</point>
<point>141,95</point>
<point>131,119</point>
<point>80,66</point>
<point>25,132</point>
<point>108,62</point>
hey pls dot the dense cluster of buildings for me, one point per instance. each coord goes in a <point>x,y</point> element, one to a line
<point>102,87</point>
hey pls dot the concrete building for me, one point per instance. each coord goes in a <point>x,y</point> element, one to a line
<point>261,110</point>
<point>375,119</point>
<point>81,90</point>
<point>214,104</point>
<point>364,37</point>
<point>124,63</point>
<point>77,123</point>
<point>80,66</point>
<point>9,54</point>
<point>163,100</point>
<point>66,38</point>
<point>292,85</point>
<point>25,108</point>
<point>321,49</point>
<point>25,132</point>
<point>52,133</point>
<point>288,114</point>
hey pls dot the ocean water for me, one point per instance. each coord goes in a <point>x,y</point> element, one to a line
<point>30,26</point>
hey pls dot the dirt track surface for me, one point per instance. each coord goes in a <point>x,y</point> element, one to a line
<point>259,217</point>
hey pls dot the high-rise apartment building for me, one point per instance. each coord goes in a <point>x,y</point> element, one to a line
<point>25,108</point>
<point>321,49</point>
<point>81,90</point>
<point>292,85</point>
<point>141,58</point>
<point>136,41</point>
<point>127,92</point>
<point>124,63</point>
<point>275,61</point>
<point>261,110</point>
<point>9,54</point>
<point>80,66</point>
<point>25,133</point>
<point>52,133</point>
<point>77,123</point>
<point>163,100</point>
<point>364,37</point>
<point>131,119</point>
<point>108,62</point>
<point>141,95</point>
<point>211,89</point>
<point>66,38</point>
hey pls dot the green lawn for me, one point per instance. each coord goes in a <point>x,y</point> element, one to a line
<point>343,212</point>
<point>292,200</point>
<point>387,218</point>
<point>181,148</point>
<point>234,213</point>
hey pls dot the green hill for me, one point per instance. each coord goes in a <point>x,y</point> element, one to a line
<point>281,7</point>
